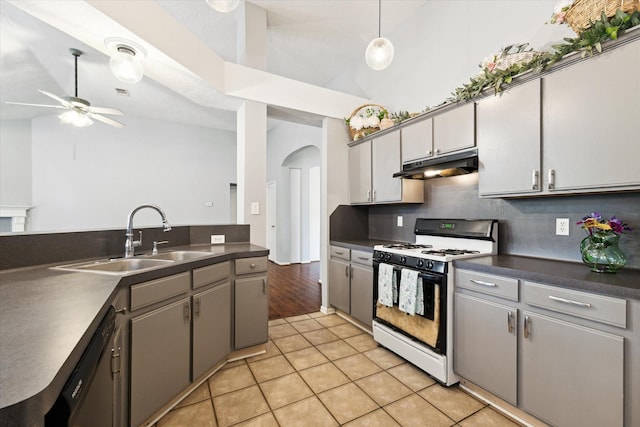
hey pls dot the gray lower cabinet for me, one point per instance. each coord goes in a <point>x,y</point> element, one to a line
<point>251,302</point>
<point>339,288</point>
<point>571,375</point>
<point>160,357</point>
<point>486,345</point>
<point>351,282</point>
<point>361,291</point>
<point>211,328</point>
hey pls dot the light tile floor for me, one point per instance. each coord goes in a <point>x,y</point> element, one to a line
<point>320,370</point>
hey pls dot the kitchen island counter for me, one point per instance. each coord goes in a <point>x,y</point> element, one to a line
<point>574,275</point>
<point>47,318</point>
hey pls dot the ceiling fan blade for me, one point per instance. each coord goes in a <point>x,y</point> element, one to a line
<point>37,105</point>
<point>102,110</point>
<point>57,98</point>
<point>106,120</point>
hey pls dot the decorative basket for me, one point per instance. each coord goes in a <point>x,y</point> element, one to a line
<point>583,13</point>
<point>370,118</point>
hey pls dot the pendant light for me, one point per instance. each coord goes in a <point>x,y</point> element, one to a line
<point>223,6</point>
<point>379,53</point>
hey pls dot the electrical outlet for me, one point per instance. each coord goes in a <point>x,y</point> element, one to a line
<point>562,226</point>
<point>400,221</point>
<point>217,239</point>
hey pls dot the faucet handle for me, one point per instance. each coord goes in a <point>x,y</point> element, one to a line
<point>155,246</point>
<point>137,243</point>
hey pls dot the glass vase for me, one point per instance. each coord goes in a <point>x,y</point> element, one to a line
<point>601,253</point>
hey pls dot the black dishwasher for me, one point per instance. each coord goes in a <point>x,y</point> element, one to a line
<point>87,397</point>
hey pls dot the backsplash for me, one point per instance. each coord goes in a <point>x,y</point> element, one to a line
<point>527,225</point>
<point>28,249</point>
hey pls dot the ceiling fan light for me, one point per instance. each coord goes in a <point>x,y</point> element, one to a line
<point>125,66</point>
<point>75,118</point>
<point>223,6</point>
<point>379,54</point>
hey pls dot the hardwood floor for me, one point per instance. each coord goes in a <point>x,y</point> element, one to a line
<point>294,289</point>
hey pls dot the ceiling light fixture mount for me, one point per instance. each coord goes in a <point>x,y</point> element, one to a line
<point>125,62</point>
<point>223,6</point>
<point>379,53</point>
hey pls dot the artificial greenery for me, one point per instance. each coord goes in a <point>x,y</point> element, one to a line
<point>588,40</point>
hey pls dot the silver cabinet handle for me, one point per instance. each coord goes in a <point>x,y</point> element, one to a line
<point>364,258</point>
<point>339,252</point>
<point>346,270</point>
<point>374,195</point>
<point>510,322</point>
<point>264,286</point>
<point>196,307</point>
<point>526,326</point>
<point>569,301</point>
<point>552,179</point>
<point>186,309</point>
<point>368,195</point>
<point>480,282</point>
<point>534,180</point>
<point>252,265</point>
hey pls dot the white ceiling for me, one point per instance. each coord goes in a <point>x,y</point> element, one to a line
<point>312,41</point>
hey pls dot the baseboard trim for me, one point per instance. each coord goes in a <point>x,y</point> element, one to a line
<point>327,310</point>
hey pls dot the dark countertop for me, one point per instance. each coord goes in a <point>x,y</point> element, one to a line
<point>574,275</point>
<point>47,318</point>
<point>361,245</point>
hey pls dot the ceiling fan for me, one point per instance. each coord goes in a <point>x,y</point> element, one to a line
<point>79,111</point>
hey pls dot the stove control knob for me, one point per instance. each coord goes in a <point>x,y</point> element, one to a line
<point>403,260</point>
<point>420,263</point>
<point>388,256</point>
<point>430,264</point>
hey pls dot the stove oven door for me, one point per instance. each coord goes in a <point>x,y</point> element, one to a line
<point>428,328</point>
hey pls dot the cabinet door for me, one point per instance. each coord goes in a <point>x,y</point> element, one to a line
<point>251,311</point>
<point>454,129</point>
<point>360,173</point>
<point>386,162</point>
<point>160,358</point>
<point>508,129</point>
<point>211,328</point>
<point>417,140</point>
<point>486,345</point>
<point>591,129</point>
<point>571,375</point>
<point>339,285</point>
<point>362,293</point>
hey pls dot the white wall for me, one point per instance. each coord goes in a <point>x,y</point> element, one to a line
<point>441,47</point>
<point>296,146</point>
<point>93,177</point>
<point>15,162</point>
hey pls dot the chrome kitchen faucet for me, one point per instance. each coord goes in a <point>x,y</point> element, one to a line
<point>130,244</point>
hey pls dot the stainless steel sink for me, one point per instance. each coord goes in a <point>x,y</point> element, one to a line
<point>118,266</point>
<point>179,255</point>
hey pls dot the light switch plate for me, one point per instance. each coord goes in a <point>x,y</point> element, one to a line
<point>255,208</point>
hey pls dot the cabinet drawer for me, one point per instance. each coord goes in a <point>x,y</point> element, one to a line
<point>362,257</point>
<point>210,274</point>
<point>340,252</point>
<point>503,287</point>
<point>600,308</point>
<point>251,265</point>
<point>147,293</point>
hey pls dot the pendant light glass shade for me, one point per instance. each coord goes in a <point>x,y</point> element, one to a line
<point>223,6</point>
<point>125,66</point>
<point>75,118</point>
<point>379,54</point>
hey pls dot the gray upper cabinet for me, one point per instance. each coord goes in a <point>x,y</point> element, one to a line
<point>508,129</point>
<point>372,164</point>
<point>576,130</point>
<point>591,123</point>
<point>454,129</point>
<point>360,173</point>
<point>417,140</point>
<point>385,161</point>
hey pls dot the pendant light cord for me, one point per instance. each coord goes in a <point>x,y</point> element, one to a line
<point>379,16</point>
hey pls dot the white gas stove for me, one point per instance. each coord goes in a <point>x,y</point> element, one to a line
<point>426,340</point>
